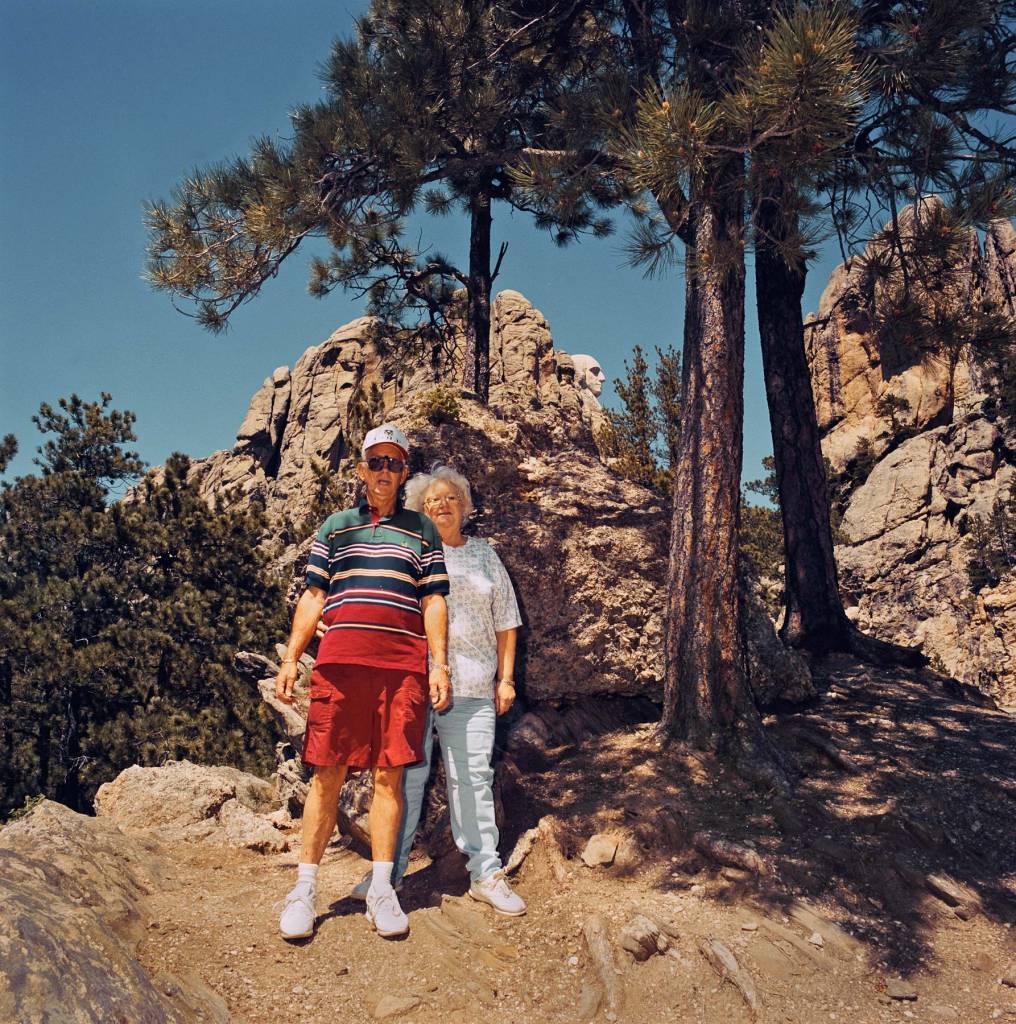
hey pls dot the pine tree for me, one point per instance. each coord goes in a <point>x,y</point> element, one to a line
<point>119,620</point>
<point>707,91</point>
<point>761,536</point>
<point>640,439</point>
<point>991,544</point>
<point>937,70</point>
<point>426,105</point>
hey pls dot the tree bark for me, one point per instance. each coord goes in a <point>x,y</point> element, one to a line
<point>476,370</point>
<point>708,702</point>
<point>814,618</point>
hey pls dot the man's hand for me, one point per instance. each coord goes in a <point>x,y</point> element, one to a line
<point>440,688</point>
<point>504,696</point>
<point>285,682</point>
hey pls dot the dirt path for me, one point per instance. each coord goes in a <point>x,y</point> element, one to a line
<point>894,865</point>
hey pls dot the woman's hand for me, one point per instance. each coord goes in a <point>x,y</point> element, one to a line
<point>504,696</point>
<point>440,687</point>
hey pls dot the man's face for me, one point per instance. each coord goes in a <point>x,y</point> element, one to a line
<point>595,378</point>
<point>382,484</point>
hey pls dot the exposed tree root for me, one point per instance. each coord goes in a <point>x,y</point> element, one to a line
<point>881,652</point>
<point>600,953</point>
<point>830,750</point>
<point>726,966</point>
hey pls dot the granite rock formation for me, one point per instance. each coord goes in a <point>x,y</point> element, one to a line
<point>74,893</point>
<point>180,801</point>
<point>903,571</point>
<point>313,416</point>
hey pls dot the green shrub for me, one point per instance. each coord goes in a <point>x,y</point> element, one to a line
<point>991,544</point>
<point>440,405</point>
<point>119,621</point>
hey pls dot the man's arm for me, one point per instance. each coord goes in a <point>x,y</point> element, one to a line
<point>435,625</point>
<point>305,620</point>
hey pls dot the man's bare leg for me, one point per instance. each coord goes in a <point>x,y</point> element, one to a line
<point>383,908</point>
<point>320,811</point>
<point>386,813</point>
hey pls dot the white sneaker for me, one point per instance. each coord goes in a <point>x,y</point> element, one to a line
<point>360,890</point>
<point>496,891</point>
<point>385,914</point>
<point>297,920</point>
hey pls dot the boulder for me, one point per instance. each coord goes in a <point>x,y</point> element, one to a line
<point>600,850</point>
<point>194,803</point>
<point>74,889</point>
<point>642,937</point>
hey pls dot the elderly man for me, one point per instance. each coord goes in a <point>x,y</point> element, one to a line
<point>376,576</point>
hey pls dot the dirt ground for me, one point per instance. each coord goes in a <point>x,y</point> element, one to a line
<point>890,871</point>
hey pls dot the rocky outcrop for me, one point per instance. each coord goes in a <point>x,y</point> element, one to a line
<point>300,420</point>
<point>311,419</point>
<point>74,890</point>
<point>180,801</point>
<point>947,459</point>
<point>855,367</point>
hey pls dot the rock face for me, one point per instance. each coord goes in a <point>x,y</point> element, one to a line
<point>194,803</point>
<point>946,460</point>
<point>313,417</point>
<point>73,890</point>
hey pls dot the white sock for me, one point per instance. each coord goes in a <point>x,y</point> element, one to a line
<point>307,873</point>
<point>381,875</point>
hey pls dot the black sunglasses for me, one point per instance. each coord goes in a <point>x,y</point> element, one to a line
<point>378,462</point>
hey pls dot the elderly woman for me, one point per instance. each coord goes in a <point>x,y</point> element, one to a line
<point>483,617</point>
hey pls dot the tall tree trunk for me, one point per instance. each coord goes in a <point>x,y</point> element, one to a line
<point>476,375</point>
<point>708,702</point>
<point>814,617</point>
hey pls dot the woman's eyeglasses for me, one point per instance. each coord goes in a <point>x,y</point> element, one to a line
<point>378,462</point>
<point>445,499</point>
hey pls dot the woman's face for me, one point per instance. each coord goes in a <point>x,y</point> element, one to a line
<point>443,504</point>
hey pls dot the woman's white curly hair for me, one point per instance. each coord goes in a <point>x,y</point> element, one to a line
<point>418,485</point>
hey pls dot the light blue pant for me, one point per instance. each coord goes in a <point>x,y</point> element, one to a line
<point>466,732</point>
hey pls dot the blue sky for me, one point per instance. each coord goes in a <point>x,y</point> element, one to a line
<point>108,103</point>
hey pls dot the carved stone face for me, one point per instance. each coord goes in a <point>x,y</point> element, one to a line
<point>589,374</point>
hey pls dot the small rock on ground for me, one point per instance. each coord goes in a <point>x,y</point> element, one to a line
<point>394,1006</point>
<point>897,988</point>
<point>599,850</point>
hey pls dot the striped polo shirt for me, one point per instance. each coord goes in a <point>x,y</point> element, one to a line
<point>375,573</point>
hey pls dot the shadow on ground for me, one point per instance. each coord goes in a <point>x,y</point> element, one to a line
<point>900,822</point>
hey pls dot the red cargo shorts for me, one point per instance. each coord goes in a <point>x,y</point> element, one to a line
<point>365,717</point>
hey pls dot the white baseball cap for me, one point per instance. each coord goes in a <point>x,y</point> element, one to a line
<point>385,434</point>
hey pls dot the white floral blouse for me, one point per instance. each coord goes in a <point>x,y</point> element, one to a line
<point>481,602</point>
